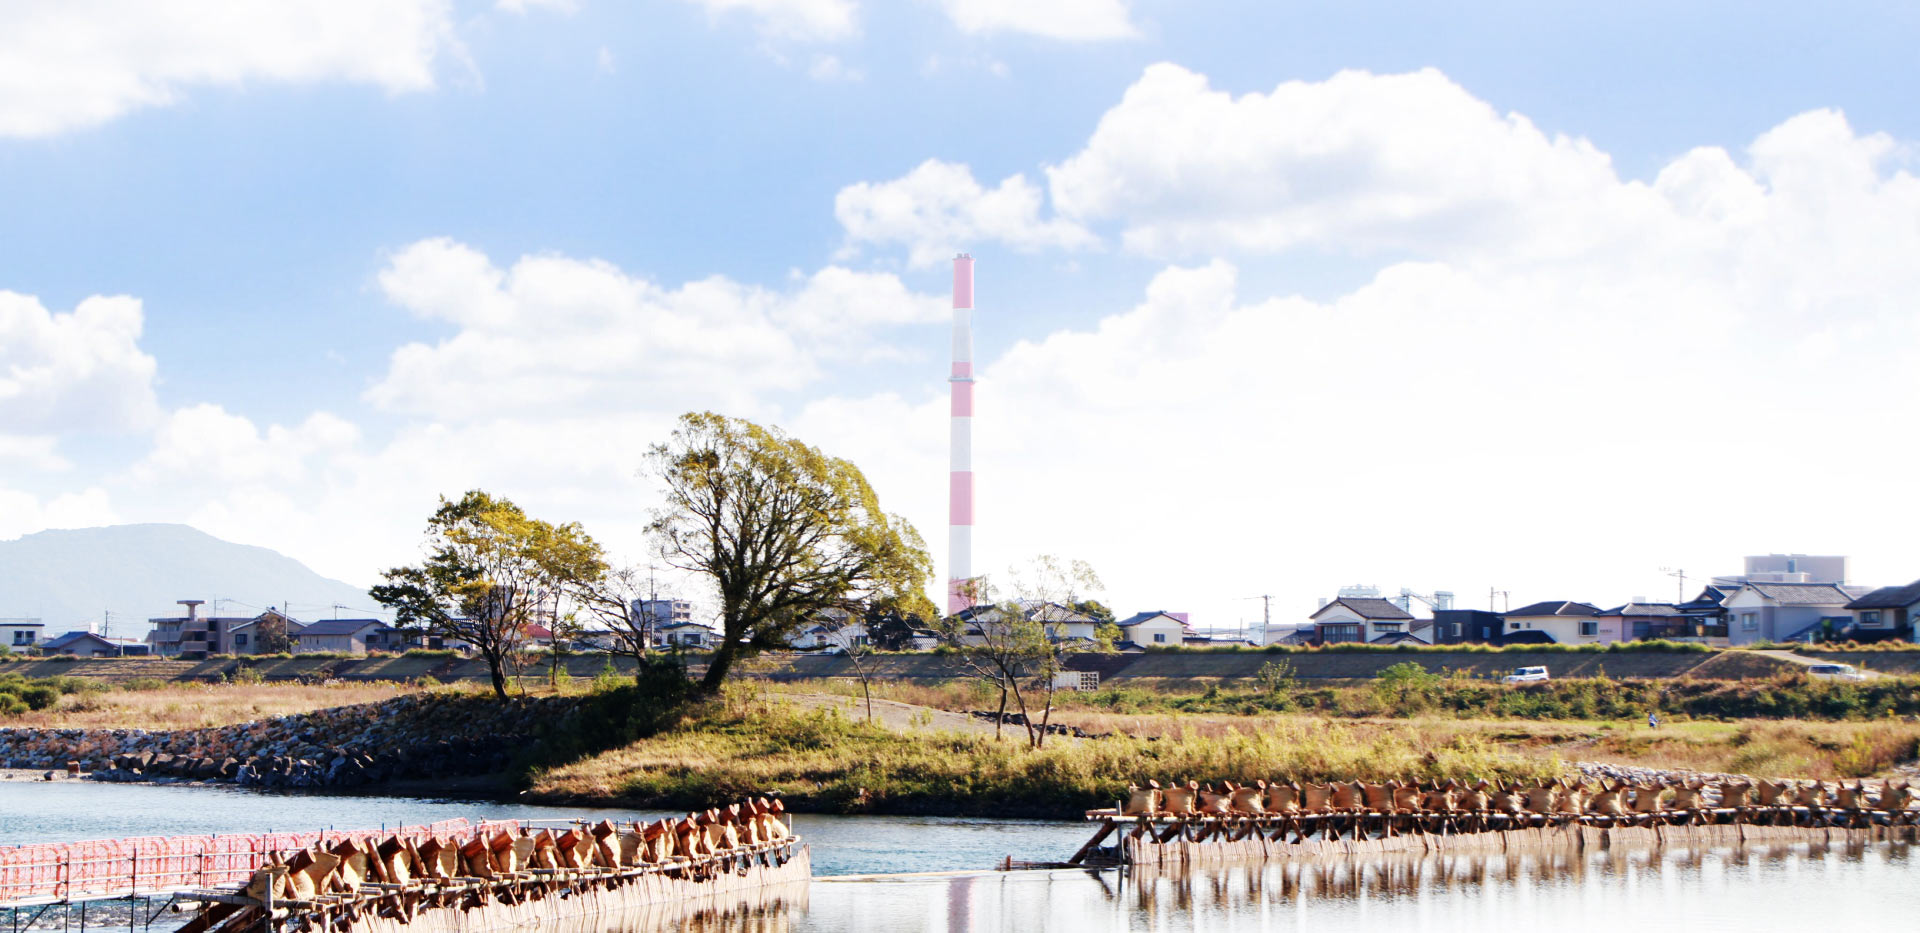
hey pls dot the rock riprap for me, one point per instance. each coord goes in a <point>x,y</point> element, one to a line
<point>429,735</point>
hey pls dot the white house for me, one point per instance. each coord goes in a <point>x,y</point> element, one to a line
<point>21,634</point>
<point>1360,618</point>
<point>247,637</point>
<point>1786,611</point>
<point>1888,612</point>
<point>1062,623</point>
<point>1154,629</point>
<point>1566,622</point>
<point>685,635</point>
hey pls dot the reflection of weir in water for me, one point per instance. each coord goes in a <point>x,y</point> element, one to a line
<point>1160,890</point>
<point>766,910</point>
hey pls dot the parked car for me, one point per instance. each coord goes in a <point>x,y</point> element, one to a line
<point>1835,672</point>
<point>1526,675</point>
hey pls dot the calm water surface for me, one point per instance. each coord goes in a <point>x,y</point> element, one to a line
<point>1796,888</point>
<point>64,811</point>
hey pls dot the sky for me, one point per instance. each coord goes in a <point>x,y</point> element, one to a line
<point>1273,297</point>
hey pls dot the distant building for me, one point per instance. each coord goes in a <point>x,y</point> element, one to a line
<point>1360,618</point>
<point>193,635</point>
<point>1787,611</point>
<point>81,644</point>
<point>685,635</point>
<point>20,635</point>
<point>1790,568</point>
<point>1565,621</point>
<point>662,612</point>
<point>1062,623</point>
<point>1641,619</point>
<point>269,632</point>
<point>1467,626</point>
<point>1155,629</point>
<point>339,636</point>
<point>1888,612</point>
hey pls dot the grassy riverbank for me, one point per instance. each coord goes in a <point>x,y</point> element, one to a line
<point>831,760</point>
<point>827,759</point>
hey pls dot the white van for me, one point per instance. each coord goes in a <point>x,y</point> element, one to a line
<point>1526,675</point>
<point>1835,672</point>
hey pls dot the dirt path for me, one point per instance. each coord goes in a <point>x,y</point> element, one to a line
<point>904,717</point>
<point>1804,661</point>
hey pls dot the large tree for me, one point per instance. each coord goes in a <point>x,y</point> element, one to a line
<point>782,531</point>
<point>488,569</point>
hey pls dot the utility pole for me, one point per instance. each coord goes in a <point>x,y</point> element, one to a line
<point>1493,593</point>
<point>1266,617</point>
<point>1680,587</point>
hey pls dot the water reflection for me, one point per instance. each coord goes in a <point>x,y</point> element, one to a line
<point>1653,889</point>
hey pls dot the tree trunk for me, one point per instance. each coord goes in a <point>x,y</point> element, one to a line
<point>1025,719</point>
<point>496,673</point>
<point>1046,717</point>
<point>1000,716</point>
<point>718,664</point>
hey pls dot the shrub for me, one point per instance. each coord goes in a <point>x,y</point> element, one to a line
<point>40,696</point>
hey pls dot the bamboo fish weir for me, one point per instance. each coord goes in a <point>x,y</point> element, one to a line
<point>1197,823</point>
<point>454,877</point>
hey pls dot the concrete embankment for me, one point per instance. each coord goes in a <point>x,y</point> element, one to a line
<point>408,738</point>
<point>1145,668</point>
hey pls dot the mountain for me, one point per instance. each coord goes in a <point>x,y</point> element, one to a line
<point>67,577</point>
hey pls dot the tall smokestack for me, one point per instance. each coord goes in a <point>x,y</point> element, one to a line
<point>960,481</point>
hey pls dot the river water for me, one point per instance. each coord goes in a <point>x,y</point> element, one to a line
<point>1786,888</point>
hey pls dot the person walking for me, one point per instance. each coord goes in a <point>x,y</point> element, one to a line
<point>1653,720</point>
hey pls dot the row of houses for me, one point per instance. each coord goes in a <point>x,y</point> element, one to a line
<point>1724,613</point>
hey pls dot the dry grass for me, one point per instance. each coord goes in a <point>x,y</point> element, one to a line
<point>821,759</point>
<point>198,706</point>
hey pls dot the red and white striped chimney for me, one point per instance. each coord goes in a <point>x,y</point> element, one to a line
<point>960,480</point>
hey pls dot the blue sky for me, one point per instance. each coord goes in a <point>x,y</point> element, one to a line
<point>257,212</point>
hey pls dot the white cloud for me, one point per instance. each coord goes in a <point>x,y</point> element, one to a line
<point>939,208</point>
<point>563,7</point>
<point>831,68</point>
<point>605,62</point>
<point>1360,161</point>
<point>801,20</point>
<point>81,370</point>
<point>1075,20</point>
<point>210,445</point>
<point>68,64</point>
<point>554,331</point>
<point>22,513</point>
<point>38,452</point>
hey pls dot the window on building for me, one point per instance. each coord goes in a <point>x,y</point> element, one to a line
<point>1589,629</point>
<point>240,640</point>
<point>23,638</point>
<point>1870,617</point>
<point>1750,621</point>
<point>1340,631</point>
<point>1387,626</point>
<point>1160,636</point>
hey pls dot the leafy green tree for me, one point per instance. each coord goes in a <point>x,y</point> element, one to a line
<point>782,531</point>
<point>1407,684</point>
<point>488,569</point>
